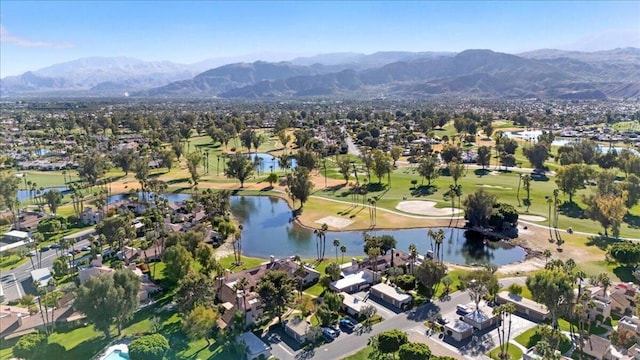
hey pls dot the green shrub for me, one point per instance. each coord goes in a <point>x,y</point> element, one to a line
<point>31,346</point>
<point>406,282</point>
<point>149,347</point>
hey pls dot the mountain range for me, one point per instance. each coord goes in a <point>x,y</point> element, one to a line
<point>546,73</point>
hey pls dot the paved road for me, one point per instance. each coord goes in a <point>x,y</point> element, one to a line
<point>411,322</point>
<point>347,344</point>
<point>353,149</point>
<point>17,282</point>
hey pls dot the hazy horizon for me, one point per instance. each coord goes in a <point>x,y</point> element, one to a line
<point>35,35</point>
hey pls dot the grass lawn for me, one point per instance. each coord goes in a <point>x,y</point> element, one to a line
<point>455,276</point>
<point>316,290</point>
<point>364,354</point>
<point>513,351</point>
<point>566,326</point>
<point>85,342</point>
<point>247,262</point>
<point>11,261</point>
<point>530,337</point>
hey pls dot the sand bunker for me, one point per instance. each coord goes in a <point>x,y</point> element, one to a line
<point>421,207</point>
<point>531,218</point>
<point>495,187</point>
<point>334,222</point>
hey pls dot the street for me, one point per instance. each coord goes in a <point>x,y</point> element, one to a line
<point>410,322</point>
<point>17,282</point>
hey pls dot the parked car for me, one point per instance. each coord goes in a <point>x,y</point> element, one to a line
<point>32,253</point>
<point>329,332</point>
<point>55,246</point>
<point>442,321</point>
<point>86,248</point>
<point>335,328</point>
<point>347,324</point>
<point>44,248</point>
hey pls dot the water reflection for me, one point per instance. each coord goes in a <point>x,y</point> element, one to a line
<point>268,229</point>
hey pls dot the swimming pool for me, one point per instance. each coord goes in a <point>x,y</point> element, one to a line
<point>117,355</point>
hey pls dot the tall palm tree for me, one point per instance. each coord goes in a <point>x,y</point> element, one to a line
<point>336,245</point>
<point>321,237</point>
<point>413,253</point>
<point>343,249</point>
<point>504,312</point>
<point>437,237</point>
<point>241,285</point>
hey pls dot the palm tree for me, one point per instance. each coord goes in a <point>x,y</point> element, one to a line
<point>438,238</point>
<point>241,285</point>
<point>321,237</point>
<point>413,253</point>
<point>343,249</point>
<point>605,282</point>
<point>547,255</point>
<point>549,201</point>
<point>503,312</point>
<point>336,245</point>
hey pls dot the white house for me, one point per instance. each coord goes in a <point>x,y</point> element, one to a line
<point>393,296</point>
<point>256,348</point>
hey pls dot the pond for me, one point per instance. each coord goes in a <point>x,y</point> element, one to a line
<point>266,161</point>
<point>24,195</point>
<point>268,229</point>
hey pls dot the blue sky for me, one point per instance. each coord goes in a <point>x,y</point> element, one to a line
<point>41,33</point>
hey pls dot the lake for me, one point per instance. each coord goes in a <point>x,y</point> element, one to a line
<point>23,195</point>
<point>267,161</point>
<point>268,229</point>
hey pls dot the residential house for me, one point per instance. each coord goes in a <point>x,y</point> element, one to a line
<point>602,303</point>
<point>297,328</point>
<point>598,347</point>
<point>527,307</point>
<point>42,276</point>
<point>352,304</point>
<point>96,268</point>
<point>246,299</point>
<point>482,317</point>
<point>16,321</point>
<point>391,295</point>
<point>90,216</point>
<point>15,236</point>
<point>458,330</point>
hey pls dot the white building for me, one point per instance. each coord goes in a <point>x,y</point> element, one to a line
<point>256,348</point>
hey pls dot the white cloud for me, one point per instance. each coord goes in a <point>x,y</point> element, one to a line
<point>8,38</point>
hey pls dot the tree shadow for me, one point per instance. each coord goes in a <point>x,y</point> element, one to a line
<point>267,188</point>
<point>177,181</point>
<point>625,273</point>
<point>572,210</point>
<point>87,349</point>
<point>539,177</point>
<point>375,187</point>
<point>481,172</point>
<point>601,242</point>
<point>632,220</point>
<point>335,188</point>
<point>424,190</point>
